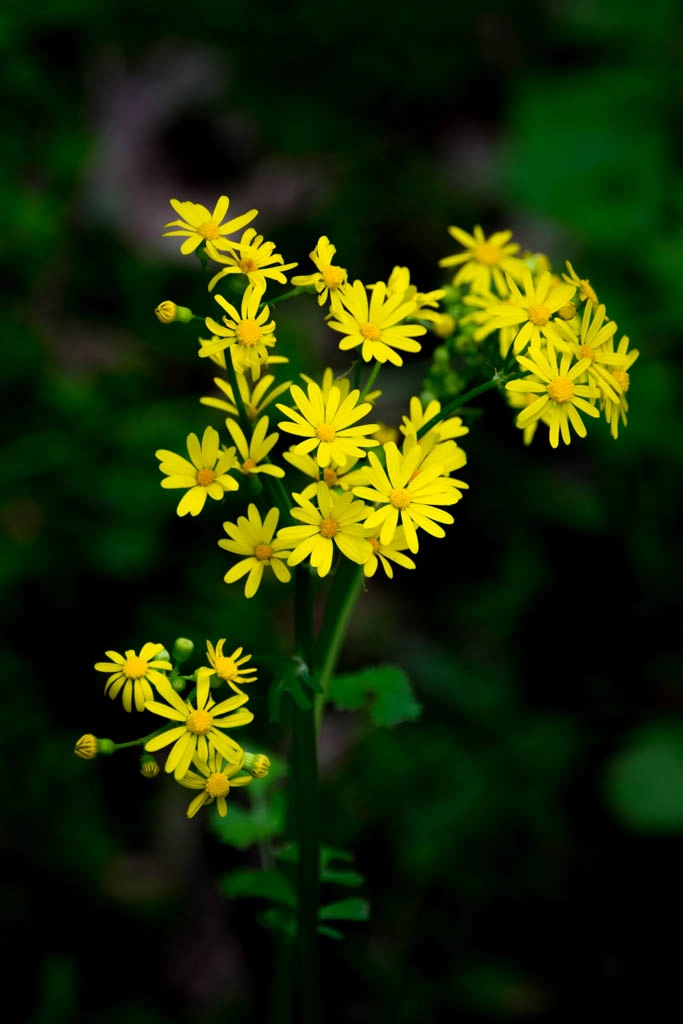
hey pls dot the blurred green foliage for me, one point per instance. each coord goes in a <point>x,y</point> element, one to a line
<point>522,841</point>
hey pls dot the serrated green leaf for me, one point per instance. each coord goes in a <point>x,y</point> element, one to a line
<point>354,909</point>
<point>384,689</point>
<point>267,885</point>
<point>245,826</point>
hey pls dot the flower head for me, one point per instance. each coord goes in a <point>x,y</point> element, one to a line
<point>418,416</point>
<point>531,310</point>
<point>255,397</point>
<point>485,260</point>
<point>333,475</point>
<point>247,333</point>
<point>328,277</point>
<point>201,728</point>
<point>206,475</point>
<point>400,492</point>
<point>197,225</point>
<point>376,326</point>
<point>215,778</point>
<point>337,521</point>
<point>385,554</point>
<point>615,411</point>
<point>231,668</point>
<point>254,540</point>
<point>582,284</point>
<point>254,452</point>
<point>328,424</point>
<point>254,258</point>
<point>135,674</point>
<point>594,343</point>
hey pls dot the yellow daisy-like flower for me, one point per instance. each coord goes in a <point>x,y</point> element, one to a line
<point>337,521</point>
<point>328,424</point>
<point>483,301</point>
<point>425,302</point>
<point>485,260</point>
<point>376,326</point>
<point>254,451</point>
<point>557,390</point>
<point>205,476</point>
<point>255,398</point>
<point>198,225</point>
<point>328,276</point>
<point>248,333</point>
<point>256,542</point>
<point>531,310</point>
<point>233,668</point>
<point>444,456</point>
<point>255,258</point>
<point>615,411</point>
<point>398,491</point>
<point>447,429</point>
<point>135,674</point>
<point>582,285</point>
<point>329,380</point>
<point>385,554</point>
<point>202,726</point>
<point>215,777</point>
<point>333,475</point>
<point>592,344</point>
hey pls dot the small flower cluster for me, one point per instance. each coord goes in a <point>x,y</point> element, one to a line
<point>551,328</point>
<point>202,756</point>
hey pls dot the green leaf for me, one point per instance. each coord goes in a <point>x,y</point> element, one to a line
<point>349,878</point>
<point>267,885</point>
<point>354,909</point>
<point>643,784</point>
<point>331,933</point>
<point>278,919</point>
<point>296,680</point>
<point>245,826</point>
<point>384,689</point>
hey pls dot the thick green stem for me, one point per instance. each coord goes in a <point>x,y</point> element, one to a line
<point>497,381</point>
<point>341,602</point>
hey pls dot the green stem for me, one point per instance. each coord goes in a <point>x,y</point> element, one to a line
<point>304,765</point>
<point>347,585</point>
<point>496,381</point>
<point>370,381</point>
<point>281,298</point>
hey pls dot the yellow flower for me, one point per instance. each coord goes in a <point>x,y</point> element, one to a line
<point>87,747</point>
<point>532,310</point>
<point>582,284</point>
<point>233,668</point>
<point>254,539</point>
<point>254,399</point>
<point>255,450</point>
<point>215,777</point>
<point>558,393</point>
<point>205,475</point>
<point>425,302</point>
<point>336,521</point>
<point>484,260</point>
<point>167,312</point>
<point>202,726</point>
<point>133,674</point>
<point>254,258</point>
<point>333,475</point>
<point>328,277</point>
<point>398,490</point>
<point>198,225</point>
<point>449,428</point>
<point>385,554</point>
<point>376,326</point>
<point>248,333</point>
<point>592,344</point>
<point>329,380</point>
<point>616,411</point>
<point>327,424</point>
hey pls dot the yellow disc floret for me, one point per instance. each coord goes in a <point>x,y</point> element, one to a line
<point>371,331</point>
<point>561,389</point>
<point>399,498</point>
<point>326,433</point>
<point>208,230</point>
<point>205,477</point>
<point>217,784</point>
<point>333,276</point>
<point>488,254</point>
<point>329,527</point>
<point>539,314</point>
<point>199,722</point>
<point>248,332</point>
<point>134,667</point>
<point>263,552</point>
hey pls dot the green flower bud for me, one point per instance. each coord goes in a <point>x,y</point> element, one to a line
<point>168,313</point>
<point>182,649</point>
<point>149,766</point>
<point>257,765</point>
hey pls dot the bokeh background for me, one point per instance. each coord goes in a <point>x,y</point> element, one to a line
<point>521,842</point>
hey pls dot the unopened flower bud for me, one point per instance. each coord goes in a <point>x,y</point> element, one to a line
<point>182,649</point>
<point>567,312</point>
<point>257,765</point>
<point>149,766</point>
<point>169,313</point>
<point>87,747</point>
<point>444,324</point>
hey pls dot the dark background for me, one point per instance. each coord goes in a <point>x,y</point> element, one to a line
<point>521,842</point>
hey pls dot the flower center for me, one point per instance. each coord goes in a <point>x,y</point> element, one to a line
<point>330,477</point>
<point>263,552</point>
<point>487,253</point>
<point>205,477</point>
<point>371,332</point>
<point>333,276</point>
<point>248,332</point>
<point>225,668</point>
<point>325,432</point>
<point>587,352</point>
<point>538,315</point>
<point>248,465</point>
<point>399,498</point>
<point>208,229</point>
<point>199,722</point>
<point>561,389</point>
<point>622,378</point>
<point>374,543</point>
<point>329,527</point>
<point>134,668</point>
<point>247,265</point>
<point>217,784</point>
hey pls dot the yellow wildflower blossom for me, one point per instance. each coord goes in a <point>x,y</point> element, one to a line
<point>328,424</point>
<point>328,277</point>
<point>385,554</point>
<point>215,777</point>
<point>247,333</point>
<point>582,285</point>
<point>231,668</point>
<point>333,474</point>
<point>556,387</point>
<point>254,258</point>
<point>255,397</point>
<point>205,476</point>
<point>254,452</point>
<point>135,675</point>
<point>485,260</point>
<point>255,541</point>
<point>376,326</point>
<point>531,310</point>
<point>615,411</point>
<point>335,522</point>
<point>199,226</point>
